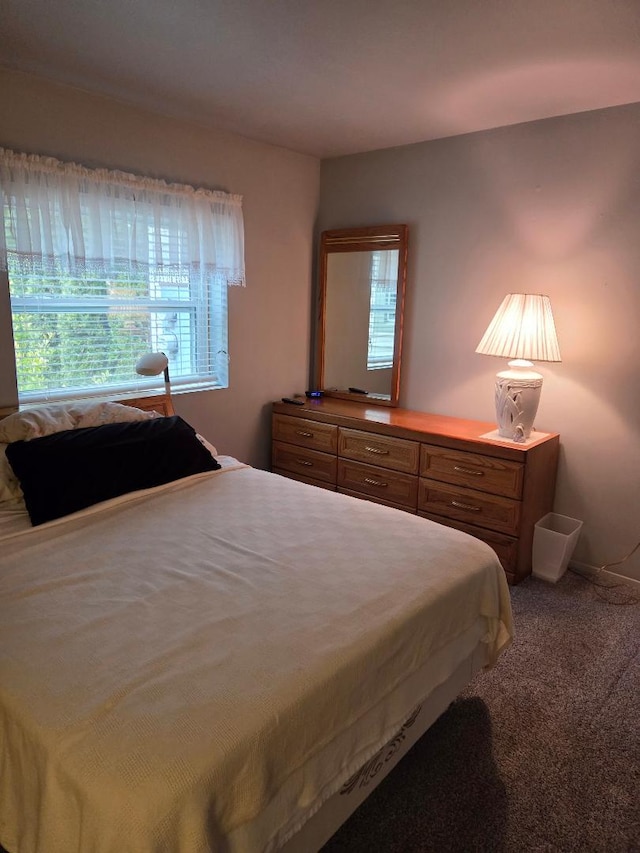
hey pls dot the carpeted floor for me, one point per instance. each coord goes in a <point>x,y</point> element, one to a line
<point>542,753</point>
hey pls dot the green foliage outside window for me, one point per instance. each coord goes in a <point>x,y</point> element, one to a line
<point>64,338</point>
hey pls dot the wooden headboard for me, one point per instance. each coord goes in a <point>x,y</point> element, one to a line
<point>161,403</point>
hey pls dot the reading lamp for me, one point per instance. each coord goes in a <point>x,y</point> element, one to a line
<point>152,364</point>
<point>523,330</point>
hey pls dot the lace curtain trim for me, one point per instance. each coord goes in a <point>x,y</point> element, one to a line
<point>65,219</point>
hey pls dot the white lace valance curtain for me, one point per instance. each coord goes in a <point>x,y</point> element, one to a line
<point>64,219</point>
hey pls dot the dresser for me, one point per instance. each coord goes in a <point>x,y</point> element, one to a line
<point>439,467</point>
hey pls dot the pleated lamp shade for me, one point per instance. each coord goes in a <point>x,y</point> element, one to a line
<point>522,328</point>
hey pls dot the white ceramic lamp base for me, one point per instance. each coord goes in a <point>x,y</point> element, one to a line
<point>517,396</point>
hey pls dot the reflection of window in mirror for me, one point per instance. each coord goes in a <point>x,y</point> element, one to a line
<point>382,309</point>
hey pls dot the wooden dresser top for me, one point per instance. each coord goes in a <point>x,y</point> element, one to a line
<point>406,423</point>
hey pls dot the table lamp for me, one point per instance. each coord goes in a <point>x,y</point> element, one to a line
<point>522,330</point>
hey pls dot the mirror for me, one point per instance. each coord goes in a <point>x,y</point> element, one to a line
<point>362,275</point>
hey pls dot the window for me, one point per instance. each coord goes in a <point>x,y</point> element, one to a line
<point>382,309</point>
<point>104,267</point>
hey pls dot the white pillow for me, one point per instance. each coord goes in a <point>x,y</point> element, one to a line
<point>39,421</point>
<point>10,491</point>
<point>87,414</point>
<point>34,423</point>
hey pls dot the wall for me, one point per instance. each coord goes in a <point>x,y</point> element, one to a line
<point>549,207</point>
<point>269,320</point>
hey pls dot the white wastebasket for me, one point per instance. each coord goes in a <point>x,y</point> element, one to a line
<point>554,538</point>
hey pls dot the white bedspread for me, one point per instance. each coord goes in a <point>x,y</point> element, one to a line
<point>169,662</point>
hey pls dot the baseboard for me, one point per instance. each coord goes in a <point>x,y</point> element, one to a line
<point>593,571</point>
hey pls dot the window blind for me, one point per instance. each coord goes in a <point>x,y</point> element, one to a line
<point>104,266</point>
<point>382,309</point>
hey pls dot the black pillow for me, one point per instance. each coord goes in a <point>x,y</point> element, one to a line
<point>71,470</point>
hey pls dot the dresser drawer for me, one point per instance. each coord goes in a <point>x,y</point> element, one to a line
<point>396,453</point>
<point>305,433</point>
<point>506,547</point>
<point>472,470</point>
<point>301,460</point>
<point>484,510</point>
<point>391,486</point>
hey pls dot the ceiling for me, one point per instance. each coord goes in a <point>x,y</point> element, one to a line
<point>333,77</point>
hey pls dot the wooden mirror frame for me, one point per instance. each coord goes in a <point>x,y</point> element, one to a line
<point>363,240</point>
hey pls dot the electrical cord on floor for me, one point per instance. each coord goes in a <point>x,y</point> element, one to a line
<point>596,581</point>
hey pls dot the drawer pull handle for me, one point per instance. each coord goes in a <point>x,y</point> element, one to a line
<point>304,434</point>
<point>375,482</point>
<point>304,462</point>
<point>377,450</point>
<point>468,507</point>
<point>468,471</point>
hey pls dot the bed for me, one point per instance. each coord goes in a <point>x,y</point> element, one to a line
<point>227,661</point>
